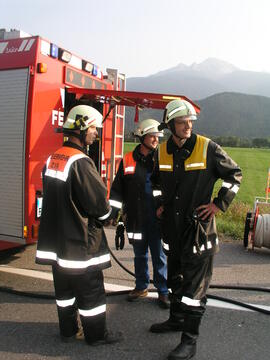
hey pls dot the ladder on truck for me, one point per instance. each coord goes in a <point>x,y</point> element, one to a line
<point>118,123</point>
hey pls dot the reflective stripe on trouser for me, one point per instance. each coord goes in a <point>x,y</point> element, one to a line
<point>84,293</point>
<point>189,282</point>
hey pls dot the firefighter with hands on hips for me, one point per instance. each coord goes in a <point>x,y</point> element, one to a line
<point>71,235</point>
<point>132,192</point>
<point>183,180</point>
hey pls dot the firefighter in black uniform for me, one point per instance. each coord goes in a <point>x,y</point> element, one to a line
<point>188,167</point>
<point>132,192</point>
<point>71,235</point>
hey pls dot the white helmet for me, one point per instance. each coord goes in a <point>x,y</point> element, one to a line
<point>81,117</point>
<point>179,108</point>
<point>148,126</point>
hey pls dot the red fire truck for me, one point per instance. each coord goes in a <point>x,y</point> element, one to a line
<point>39,83</point>
<point>34,74</point>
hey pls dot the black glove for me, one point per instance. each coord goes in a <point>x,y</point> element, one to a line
<point>120,236</point>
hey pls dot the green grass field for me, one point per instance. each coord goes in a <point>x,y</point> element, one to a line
<point>254,164</point>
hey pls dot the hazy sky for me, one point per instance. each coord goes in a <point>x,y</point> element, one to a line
<point>142,37</point>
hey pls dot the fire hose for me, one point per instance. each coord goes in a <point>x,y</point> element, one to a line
<point>119,242</point>
<point>213,286</point>
<point>122,292</point>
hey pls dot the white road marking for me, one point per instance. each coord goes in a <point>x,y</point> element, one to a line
<point>25,272</point>
<point>113,288</point>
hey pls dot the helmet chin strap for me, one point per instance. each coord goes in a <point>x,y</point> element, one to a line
<point>142,142</point>
<point>172,128</point>
<point>81,136</point>
<point>179,141</point>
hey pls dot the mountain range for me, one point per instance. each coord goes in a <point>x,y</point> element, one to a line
<point>233,102</point>
<point>199,81</point>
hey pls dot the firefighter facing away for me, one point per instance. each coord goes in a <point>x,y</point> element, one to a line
<point>132,192</point>
<point>183,180</point>
<point>71,236</point>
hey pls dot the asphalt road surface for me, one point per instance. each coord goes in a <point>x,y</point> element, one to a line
<point>29,325</point>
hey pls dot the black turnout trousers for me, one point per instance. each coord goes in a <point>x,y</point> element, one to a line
<point>84,293</point>
<point>189,278</point>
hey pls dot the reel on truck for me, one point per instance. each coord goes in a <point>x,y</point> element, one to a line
<point>257,224</point>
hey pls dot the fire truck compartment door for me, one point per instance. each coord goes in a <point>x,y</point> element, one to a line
<point>129,98</point>
<point>13,113</point>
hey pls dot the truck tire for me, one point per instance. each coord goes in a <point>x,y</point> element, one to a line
<point>247,228</point>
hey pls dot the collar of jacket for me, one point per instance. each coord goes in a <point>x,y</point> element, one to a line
<point>188,145</point>
<point>138,156</point>
<point>75,146</point>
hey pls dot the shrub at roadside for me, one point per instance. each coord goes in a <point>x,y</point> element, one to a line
<point>232,222</point>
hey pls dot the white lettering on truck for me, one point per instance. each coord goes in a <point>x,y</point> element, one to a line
<point>57,117</point>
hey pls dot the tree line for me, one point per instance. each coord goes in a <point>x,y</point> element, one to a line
<point>227,141</point>
<point>235,141</point>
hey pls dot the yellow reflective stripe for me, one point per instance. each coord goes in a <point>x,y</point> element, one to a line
<point>197,159</point>
<point>165,159</point>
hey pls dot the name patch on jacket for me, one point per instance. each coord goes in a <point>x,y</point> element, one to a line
<point>59,163</point>
<point>129,164</point>
<point>196,161</point>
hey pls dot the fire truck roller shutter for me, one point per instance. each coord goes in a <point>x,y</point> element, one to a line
<point>13,95</point>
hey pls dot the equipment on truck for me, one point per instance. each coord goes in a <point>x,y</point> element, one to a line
<point>257,224</point>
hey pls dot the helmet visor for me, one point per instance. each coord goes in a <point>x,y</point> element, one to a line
<point>156,133</point>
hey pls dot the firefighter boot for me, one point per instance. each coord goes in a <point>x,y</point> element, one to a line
<point>187,348</point>
<point>174,323</point>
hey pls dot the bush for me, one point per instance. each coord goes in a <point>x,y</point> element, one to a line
<point>232,222</point>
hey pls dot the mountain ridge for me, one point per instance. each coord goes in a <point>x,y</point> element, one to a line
<point>199,81</point>
<point>223,114</point>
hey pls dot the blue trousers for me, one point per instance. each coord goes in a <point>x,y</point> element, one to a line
<point>151,239</point>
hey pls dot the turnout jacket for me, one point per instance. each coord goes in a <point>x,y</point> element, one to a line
<point>128,192</point>
<point>183,179</point>
<point>74,205</point>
